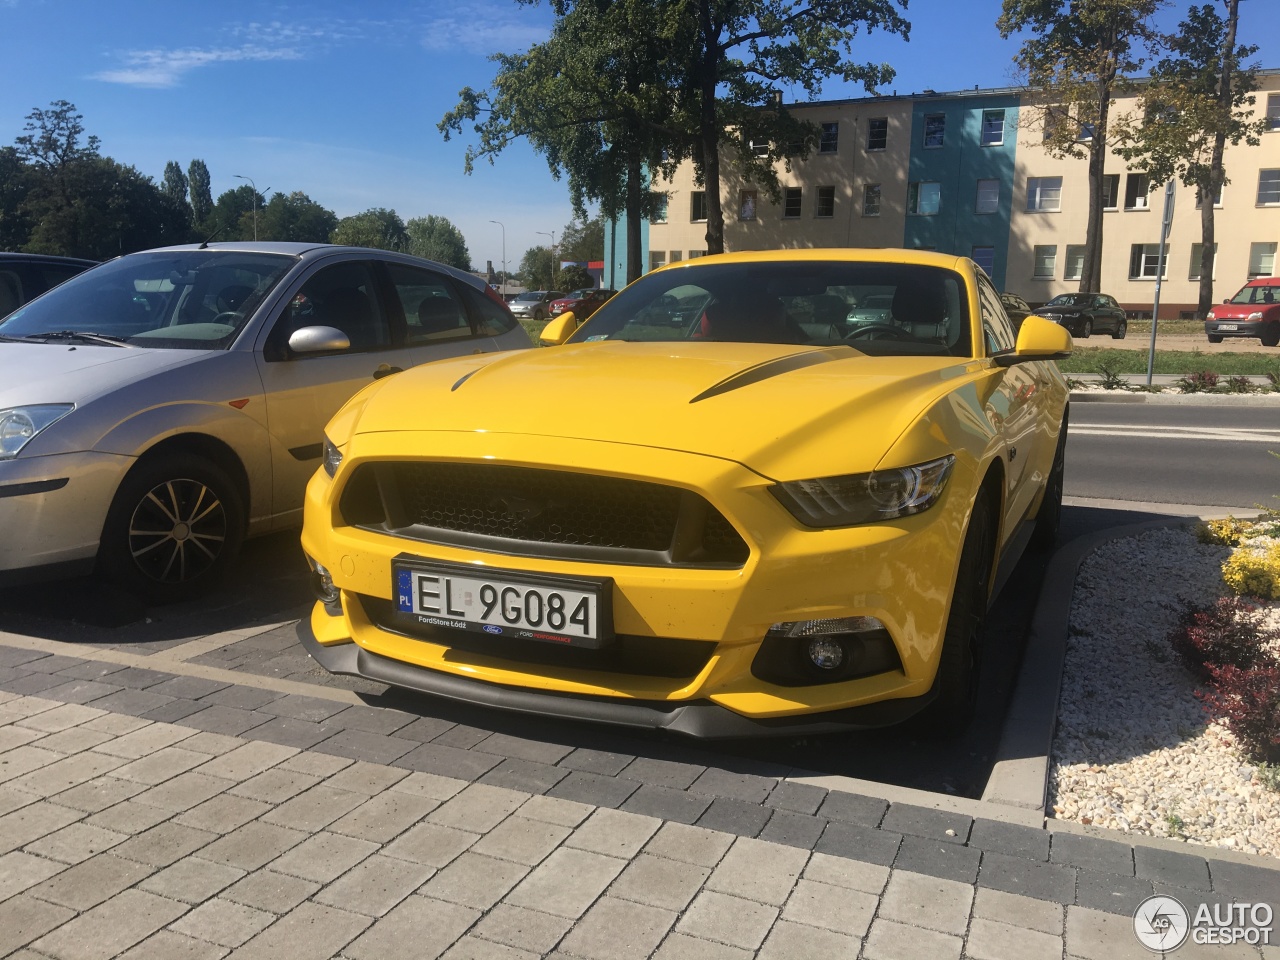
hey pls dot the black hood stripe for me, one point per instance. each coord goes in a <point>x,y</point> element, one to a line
<point>772,368</point>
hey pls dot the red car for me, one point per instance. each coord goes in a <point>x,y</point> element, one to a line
<point>583,303</point>
<point>1253,312</point>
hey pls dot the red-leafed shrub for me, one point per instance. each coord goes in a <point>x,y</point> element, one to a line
<point>1247,700</point>
<point>1202,381</point>
<point>1230,632</point>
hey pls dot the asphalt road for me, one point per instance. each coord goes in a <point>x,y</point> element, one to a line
<point>1133,457</point>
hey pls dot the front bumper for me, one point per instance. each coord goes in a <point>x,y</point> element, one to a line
<point>900,573</point>
<point>1248,329</point>
<point>52,510</point>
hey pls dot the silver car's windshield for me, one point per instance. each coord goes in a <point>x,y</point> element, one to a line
<point>184,299</point>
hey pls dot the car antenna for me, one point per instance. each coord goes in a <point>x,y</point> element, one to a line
<point>211,237</point>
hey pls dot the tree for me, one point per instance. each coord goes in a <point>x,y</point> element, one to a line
<point>576,278</point>
<point>175,182</point>
<point>54,147</point>
<point>376,227</point>
<point>296,217</point>
<point>583,240</point>
<point>200,189</point>
<point>1079,54</point>
<point>1197,99</point>
<point>15,184</point>
<point>232,217</point>
<point>537,268</point>
<point>437,239</point>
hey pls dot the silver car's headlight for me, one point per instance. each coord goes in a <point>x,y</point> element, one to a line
<point>866,497</point>
<point>19,424</point>
<point>332,457</point>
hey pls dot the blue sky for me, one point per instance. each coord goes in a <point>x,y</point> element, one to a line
<point>341,100</point>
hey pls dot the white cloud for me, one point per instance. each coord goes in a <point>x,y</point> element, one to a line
<point>165,68</point>
<point>485,30</point>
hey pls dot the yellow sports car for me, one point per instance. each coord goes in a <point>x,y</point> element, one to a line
<point>731,503</point>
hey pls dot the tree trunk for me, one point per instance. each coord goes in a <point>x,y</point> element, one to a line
<point>1216,173</point>
<point>1091,274</point>
<point>709,132</point>
<point>635,263</point>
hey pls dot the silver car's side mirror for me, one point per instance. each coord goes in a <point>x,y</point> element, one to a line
<point>318,340</point>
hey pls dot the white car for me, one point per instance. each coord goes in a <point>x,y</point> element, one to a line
<point>159,408</point>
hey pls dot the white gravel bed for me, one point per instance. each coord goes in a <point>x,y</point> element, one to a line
<point>1133,750</point>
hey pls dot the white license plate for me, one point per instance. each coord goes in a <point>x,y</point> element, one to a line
<point>574,611</point>
<point>1228,326</point>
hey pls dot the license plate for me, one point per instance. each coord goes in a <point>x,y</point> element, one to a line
<point>1228,326</point>
<point>571,611</point>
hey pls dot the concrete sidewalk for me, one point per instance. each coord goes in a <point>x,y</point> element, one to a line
<point>123,836</point>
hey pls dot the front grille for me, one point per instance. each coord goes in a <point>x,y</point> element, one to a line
<point>628,655</point>
<point>544,513</point>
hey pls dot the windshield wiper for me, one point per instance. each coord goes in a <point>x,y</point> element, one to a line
<point>102,338</point>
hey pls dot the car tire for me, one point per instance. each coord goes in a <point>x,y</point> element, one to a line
<point>539,315</point>
<point>1086,329</point>
<point>1271,336</point>
<point>960,662</point>
<point>1215,338</point>
<point>1049,518</point>
<point>174,528</point>
<point>1121,330</point>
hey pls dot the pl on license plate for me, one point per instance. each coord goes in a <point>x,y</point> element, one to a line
<point>574,611</point>
<point>1228,326</point>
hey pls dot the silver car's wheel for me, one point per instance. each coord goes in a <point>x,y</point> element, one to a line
<point>175,525</point>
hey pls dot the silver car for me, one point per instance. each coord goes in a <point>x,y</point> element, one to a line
<point>159,408</point>
<point>534,304</point>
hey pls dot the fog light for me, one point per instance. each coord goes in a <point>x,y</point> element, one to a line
<point>826,653</point>
<point>323,586</point>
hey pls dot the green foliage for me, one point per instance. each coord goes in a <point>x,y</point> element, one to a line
<point>377,227</point>
<point>436,238</point>
<point>1254,572</point>
<point>1176,362</point>
<point>174,183</point>
<point>232,217</point>
<point>537,269</point>
<point>1199,381</point>
<point>575,278</point>
<point>1268,775</point>
<point>15,183</point>
<point>295,217</point>
<point>583,240</point>
<point>52,140</point>
<point>1112,379</point>
<point>200,191</point>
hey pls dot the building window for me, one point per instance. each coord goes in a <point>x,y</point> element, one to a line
<point>747,205</point>
<point>658,204</point>
<point>1268,188</point>
<point>791,203</point>
<point>924,198</point>
<point>1046,261</point>
<point>1262,260</point>
<point>985,257</point>
<point>826,206</point>
<point>657,258</point>
<point>759,148</point>
<point>877,133</point>
<point>830,141</point>
<point>695,254</point>
<point>1217,198</point>
<point>1085,133</point>
<point>1044,193</point>
<point>935,126</point>
<point>992,128</point>
<point>675,257</point>
<point>698,206</point>
<point>1273,111</point>
<point>1196,250</point>
<point>871,200</point>
<point>1144,261</point>
<point>1110,191</point>
<point>988,200</point>
<point>1136,189</point>
<point>1073,269</point>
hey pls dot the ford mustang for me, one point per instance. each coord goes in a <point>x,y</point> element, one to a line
<point>765,517</point>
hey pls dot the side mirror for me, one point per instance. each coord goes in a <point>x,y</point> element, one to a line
<point>1227,300</point>
<point>318,340</point>
<point>558,330</point>
<point>1038,339</point>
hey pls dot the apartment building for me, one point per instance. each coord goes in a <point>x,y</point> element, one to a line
<point>966,173</point>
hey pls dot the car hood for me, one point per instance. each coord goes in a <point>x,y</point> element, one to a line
<point>1240,311</point>
<point>780,410</point>
<point>75,373</point>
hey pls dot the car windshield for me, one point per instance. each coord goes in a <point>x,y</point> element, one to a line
<point>878,308</point>
<point>1070,300</point>
<point>530,296</point>
<point>1258,294</point>
<point>183,299</point>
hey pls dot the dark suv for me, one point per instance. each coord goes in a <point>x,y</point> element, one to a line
<point>24,276</point>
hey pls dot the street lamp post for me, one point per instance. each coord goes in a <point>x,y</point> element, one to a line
<point>255,201</point>
<point>504,257</point>
<point>555,267</point>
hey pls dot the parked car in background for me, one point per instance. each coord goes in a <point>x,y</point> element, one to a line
<point>534,304</point>
<point>1016,308</point>
<point>583,303</point>
<point>24,276</point>
<point>1253,312</point>
<point>157,409</point>
<point>1084,314</point>
<point>745,524</point>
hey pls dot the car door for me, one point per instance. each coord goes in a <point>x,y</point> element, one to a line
<point>438,317</point>
<point>303,391</point>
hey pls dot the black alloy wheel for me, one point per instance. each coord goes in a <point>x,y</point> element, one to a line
<point>1049,518</point>
<point>1215,338</point>
<point>1271,335</point>
<point>1086,328</point>
<point>1121,329</point>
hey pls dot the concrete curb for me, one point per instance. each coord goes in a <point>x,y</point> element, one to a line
<point>1178,399</point>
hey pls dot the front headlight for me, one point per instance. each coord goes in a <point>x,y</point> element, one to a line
<point>1256,315</point>
<point>866,497</point>
<point>332,457</point>
<point>18,425</point>
<point>1211,316</point>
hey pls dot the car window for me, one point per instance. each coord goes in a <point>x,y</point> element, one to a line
<point>877,308</point>
<point>10,292</point>
<point>493,320</point>
<point>997,331</point>
<point>179,299</point>
<point>432,308</point>
<point>342,296</point>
